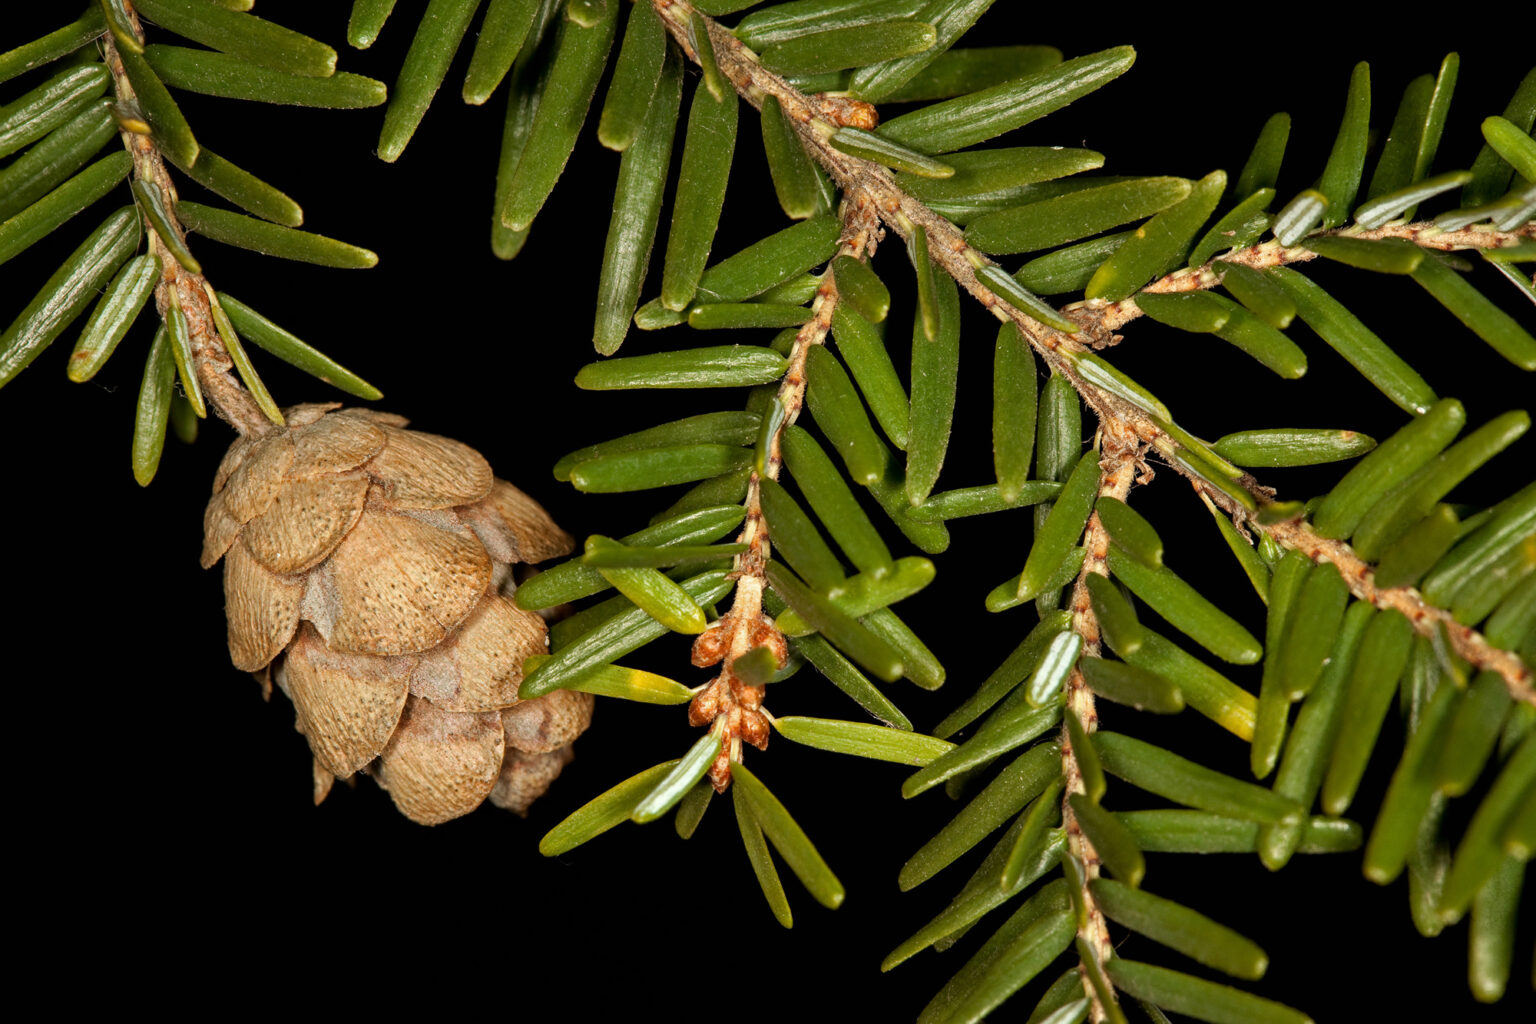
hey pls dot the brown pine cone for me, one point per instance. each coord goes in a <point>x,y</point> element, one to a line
<point>368,567</point>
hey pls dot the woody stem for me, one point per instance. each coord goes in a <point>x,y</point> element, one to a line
<point>860,237</point>
<point>1096,321</point>
<point>1117,470</point>
<point>210,362</point>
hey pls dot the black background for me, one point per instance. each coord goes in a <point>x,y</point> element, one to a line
<point>162,810</point>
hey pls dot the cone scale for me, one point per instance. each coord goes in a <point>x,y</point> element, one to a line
<point>368,572</point>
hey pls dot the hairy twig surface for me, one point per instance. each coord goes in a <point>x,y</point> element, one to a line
<point>1112,316</point>
<point>729,703</point>
<point>1097,320</point>
<point>1117,471</point>
<point>224,393</point>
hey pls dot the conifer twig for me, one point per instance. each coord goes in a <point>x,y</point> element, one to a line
<point>948,248</point>
<point>727,701</point>
<point>1117,469</point>
<point>1113,315</point>
<point>211,362</point>
<point>1426,618</point>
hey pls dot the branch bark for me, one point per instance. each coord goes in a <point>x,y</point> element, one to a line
<point>948,248</point>
<point>1117,468</point>
<point>222,391</point>
<point>1112,316</point>
<point>730,704</point>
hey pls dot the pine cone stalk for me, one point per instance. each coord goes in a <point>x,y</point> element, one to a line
<point>368,570</point>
